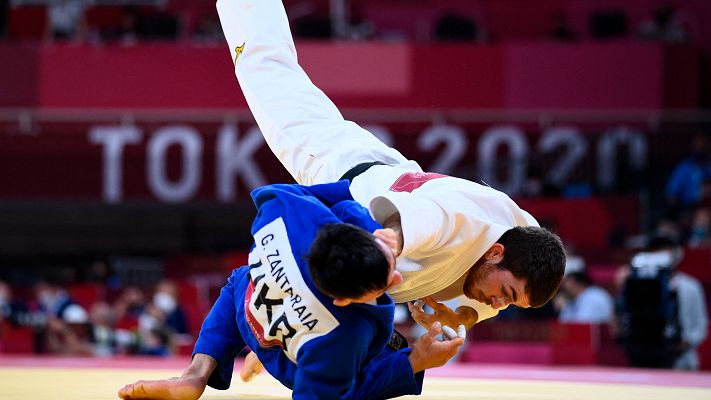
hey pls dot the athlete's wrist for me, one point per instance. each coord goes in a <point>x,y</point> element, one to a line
<point>467,316</point>
<point>201,367</point>
<point>416,361</point>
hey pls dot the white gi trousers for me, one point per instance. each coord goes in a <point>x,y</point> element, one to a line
<point>301,125</point>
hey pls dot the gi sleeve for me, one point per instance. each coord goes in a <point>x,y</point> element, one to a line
<point>386,376</point>
<point>335,368</point>
<point>220,337</point>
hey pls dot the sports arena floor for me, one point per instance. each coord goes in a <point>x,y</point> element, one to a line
<point>26,378</point>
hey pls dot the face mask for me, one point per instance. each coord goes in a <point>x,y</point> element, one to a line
<point>165,302</point>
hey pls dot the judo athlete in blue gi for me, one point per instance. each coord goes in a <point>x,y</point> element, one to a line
<point>311,305</point>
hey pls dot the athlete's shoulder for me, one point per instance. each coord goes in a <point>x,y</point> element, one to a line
<point>351,212</point>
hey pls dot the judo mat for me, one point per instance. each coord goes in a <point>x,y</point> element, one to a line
<point>29,378</point>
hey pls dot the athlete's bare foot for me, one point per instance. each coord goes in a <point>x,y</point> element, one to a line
<point>251,368</point>
<point>165,389</point>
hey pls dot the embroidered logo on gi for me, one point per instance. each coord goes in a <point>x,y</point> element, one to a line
<point>413,180</point>
<point>280,307</point>
<point>238,51</point>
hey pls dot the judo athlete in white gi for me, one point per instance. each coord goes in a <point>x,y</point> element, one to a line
<point>312,306</point>
<point>456,238</point>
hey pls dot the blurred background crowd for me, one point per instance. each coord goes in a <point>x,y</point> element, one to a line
<point>105,21</point>
<point>115,238</point>
<point>54,320</point>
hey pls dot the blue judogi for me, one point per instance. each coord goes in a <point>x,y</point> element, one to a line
<point>311,346</point>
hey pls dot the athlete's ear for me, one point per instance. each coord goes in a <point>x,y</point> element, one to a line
<point>341,302</point>
<point>495,254</point>
<point>397,279</point>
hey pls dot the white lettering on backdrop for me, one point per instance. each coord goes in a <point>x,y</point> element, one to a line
<point>190,143</point>
<point>113,138</point>
<point>502,157</point>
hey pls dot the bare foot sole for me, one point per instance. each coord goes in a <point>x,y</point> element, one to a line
<point>251,368</point>
<point>165,389</point>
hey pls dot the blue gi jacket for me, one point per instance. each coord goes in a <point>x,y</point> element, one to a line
<point>313,347</point>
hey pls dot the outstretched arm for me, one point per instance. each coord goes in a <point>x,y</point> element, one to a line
<point>299,122</point>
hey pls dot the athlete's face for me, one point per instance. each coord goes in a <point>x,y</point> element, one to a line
<point>494,286</point>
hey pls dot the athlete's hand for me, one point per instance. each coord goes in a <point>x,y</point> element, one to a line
<point>427,352</point>
<point>466,316</point>
<point>390,238</point>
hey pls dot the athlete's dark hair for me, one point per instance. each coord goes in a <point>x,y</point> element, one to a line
<point>536,255</point>
<point>346,262</point>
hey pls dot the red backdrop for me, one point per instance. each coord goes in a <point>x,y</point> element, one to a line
<point>621,75</point>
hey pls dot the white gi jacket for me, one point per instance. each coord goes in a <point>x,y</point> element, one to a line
<point>447,223</point>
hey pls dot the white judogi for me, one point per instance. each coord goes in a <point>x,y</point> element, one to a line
<point>447,223</point>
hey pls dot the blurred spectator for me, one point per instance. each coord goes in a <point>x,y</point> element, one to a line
<point>664,26</point>
<point>684,189</point>
<point>455,27</point>
<point>154,342</point>
<point>55,302</point>
<point>573,261</point>
<point>166,301</point>
<point>209,29</point>
<point>579,301</point>
<point>160,325</point>
<point>11,310</point>
<point>66,19</point>
<point>128,308</point>
<point>700,230</point>
<point>152,337</point>
<point>668,228</point>
<point>691,303</point>
<point>102,335</point>
<point>69,336</point>
<point>65,330</point>
<point>100,271</point>
<point>693,319</point>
